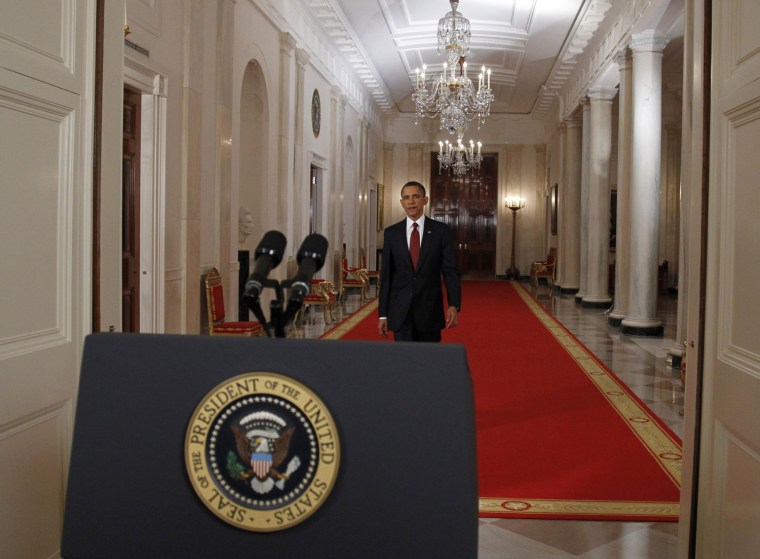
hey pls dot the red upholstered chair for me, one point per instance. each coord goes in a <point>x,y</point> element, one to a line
<point>352,278</point>
<point>322,293</point>
<point>217,326</point>
<point>544,269</point>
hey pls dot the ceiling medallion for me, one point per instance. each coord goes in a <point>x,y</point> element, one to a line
<point>453,96</point>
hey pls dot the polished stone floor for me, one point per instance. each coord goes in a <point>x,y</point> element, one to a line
<point>641,363</point>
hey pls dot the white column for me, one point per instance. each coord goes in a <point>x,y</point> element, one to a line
<point>678,349</point>
<point>584,200</point>
<point>647,50</point>
<point>570,208</point>
<point>623,223</point>
<point>561,141</point>
<point>669,201</point>
<point>600,150</point>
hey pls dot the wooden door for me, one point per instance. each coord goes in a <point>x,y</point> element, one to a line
<point>467,204</point>
<point>130,239</point>
<point>47,72</point>
<point>728,515</point>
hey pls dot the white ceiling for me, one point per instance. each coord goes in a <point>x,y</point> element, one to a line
<point>530,45</point>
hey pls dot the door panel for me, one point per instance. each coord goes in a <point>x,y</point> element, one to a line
<point>130,204</point>
<point>728,496</point>
<point>46,51</point>
<point>468,205</point>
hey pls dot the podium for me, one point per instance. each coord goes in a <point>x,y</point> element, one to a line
<point>406,484</point>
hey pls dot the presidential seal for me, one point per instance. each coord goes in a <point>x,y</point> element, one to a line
<point>262,451</point>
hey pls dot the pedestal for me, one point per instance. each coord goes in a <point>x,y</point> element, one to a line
<point>244,259</point>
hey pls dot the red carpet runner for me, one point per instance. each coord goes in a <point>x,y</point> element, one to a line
<point>559,436</point>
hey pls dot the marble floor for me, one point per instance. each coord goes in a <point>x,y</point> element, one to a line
<point>641,363</point>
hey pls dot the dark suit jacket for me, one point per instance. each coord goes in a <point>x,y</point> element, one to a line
<point>404,290</point>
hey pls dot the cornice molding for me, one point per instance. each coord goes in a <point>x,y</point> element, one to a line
<point>335,24</point>
<point>565,67</point>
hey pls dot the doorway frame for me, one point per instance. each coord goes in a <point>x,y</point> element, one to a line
<point>153,87</point>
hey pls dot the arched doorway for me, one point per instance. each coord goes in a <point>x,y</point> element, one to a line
<point>254,132</point>
<point>252,187</point>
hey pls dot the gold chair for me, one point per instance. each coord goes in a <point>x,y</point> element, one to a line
<point>349,277</point>
<point>544,269</point>
<point>322,293</point>
<point>371,274</point>
<point>217,326</point>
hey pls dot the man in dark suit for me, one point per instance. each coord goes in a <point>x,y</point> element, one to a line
<point>417,252</point>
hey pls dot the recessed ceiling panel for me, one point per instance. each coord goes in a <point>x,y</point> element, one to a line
<point>519,40</point>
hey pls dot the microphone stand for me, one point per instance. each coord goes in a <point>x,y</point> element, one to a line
<point>279,318</point>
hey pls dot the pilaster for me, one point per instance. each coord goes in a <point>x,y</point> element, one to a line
<point>285,152</point>
<point>300,191</point>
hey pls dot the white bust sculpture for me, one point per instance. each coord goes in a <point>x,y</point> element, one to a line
<point>245,224</point>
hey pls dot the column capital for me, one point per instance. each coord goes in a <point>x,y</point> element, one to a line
<point>302,58</point>
<point>623,59</point>
<point>287,42</point>
<point>573,122</point>
<point>601,93</point>
<point>649,41</point>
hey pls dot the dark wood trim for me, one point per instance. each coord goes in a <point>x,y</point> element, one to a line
<point>698,374</point>
<point>130,209</point>
<point>96,163</point>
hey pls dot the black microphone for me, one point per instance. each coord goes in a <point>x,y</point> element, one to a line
<point>267,256</point>
<point>310,258</point>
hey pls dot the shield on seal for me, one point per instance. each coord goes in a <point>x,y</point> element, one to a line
<point>261,462</point>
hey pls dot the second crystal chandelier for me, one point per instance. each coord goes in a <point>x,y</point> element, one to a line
<point>459,159</point>
<point>452,96</point>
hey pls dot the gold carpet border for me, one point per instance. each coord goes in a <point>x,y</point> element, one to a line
<point>665,451</point>
<point>538,507</point>
<point>350,323</point>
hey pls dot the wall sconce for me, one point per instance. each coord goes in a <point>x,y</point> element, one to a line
<point>126,24</point>
<point>514,205</point>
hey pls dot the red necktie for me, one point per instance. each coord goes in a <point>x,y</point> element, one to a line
<point>414,245</point>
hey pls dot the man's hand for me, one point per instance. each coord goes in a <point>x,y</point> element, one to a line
<point>382,327</point>
<point>452,317</point>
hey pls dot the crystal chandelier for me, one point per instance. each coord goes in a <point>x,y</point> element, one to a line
<point>454,35</point>
<point>459,159</point>
<point>452,96</point>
